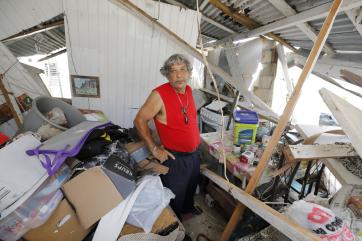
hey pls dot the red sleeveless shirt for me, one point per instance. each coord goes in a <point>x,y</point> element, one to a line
<point>176,135</point>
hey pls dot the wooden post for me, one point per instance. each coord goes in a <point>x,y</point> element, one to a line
<point>15,112</point>
<point>283,121</point>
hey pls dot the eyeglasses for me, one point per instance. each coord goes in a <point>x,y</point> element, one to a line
<point>186,119</point>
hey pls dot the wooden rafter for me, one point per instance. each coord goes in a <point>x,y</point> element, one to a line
<point>247,22</point>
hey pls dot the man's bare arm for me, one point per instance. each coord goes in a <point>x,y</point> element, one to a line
<point>148,111</point>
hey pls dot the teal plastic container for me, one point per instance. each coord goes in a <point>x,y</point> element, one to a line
<point>245,126</point>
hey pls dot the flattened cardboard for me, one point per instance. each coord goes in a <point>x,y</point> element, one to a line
<point>92,194</point>
<point>62,225</point>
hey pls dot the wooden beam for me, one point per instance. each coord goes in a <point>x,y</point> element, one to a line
<point>330,80</point>
<point>11,102</point>
<point>288,11</point>
<point>247,22</point>
<point>344,176</point>
<point>302,17</point>
<point>283,61</point>
<point>315,152</point>
<point>283,121</point>
<point>347,115</point>
<point>192,51</point>
<point>351,77</point>
<point>282,223</point>
<point>35,30</point>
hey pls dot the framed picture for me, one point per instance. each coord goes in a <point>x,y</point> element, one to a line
<point>85,86</point>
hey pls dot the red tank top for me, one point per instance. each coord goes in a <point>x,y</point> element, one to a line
<point>176,135</point>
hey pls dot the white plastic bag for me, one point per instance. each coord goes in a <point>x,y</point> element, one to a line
<point>320,220</point>
<point>56,116</point>
<point>149,204</point>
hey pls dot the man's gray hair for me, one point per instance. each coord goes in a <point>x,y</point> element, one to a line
<point>175,59</point>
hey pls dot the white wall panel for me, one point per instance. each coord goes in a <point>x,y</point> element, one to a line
<point>126,53</point>
<point>18,15</point>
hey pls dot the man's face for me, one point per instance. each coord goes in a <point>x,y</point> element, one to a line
<point>178,76</point>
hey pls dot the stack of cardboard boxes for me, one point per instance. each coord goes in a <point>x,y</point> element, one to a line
<point>88,197</point>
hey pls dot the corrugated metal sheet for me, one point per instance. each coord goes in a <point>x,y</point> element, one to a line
<point>40,43</point>
<point>263,12</point>
<point>18,15</point>
<point>126,53</point>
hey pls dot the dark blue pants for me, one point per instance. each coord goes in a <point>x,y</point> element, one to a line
<point>182,178</point>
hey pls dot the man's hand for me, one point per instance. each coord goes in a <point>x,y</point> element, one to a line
<point>160,153</point>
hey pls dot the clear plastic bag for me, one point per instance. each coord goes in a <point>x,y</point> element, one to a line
<point>36,210</point>
<point>56,116</point>
<point>149,204</point>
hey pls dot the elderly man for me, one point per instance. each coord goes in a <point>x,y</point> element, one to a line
<point>172,107</point>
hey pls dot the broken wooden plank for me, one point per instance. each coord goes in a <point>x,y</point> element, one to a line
<point>284,224</point>
<point>314,152</point>
<point>347,115</point>
<point>283,121</point>
<point>340,172</point>
<point>307,131</point>
<point>351,77</point>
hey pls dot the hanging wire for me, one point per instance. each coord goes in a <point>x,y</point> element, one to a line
<point>216,88</point>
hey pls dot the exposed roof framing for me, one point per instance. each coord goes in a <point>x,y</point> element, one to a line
<point>293,20</point>
<point>355,15</point>
<point>288,11</point>
<point>302,17</point>
<point>246,21</point>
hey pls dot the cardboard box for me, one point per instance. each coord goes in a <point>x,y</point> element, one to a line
<point>92,194</point>
<point>62,225</point>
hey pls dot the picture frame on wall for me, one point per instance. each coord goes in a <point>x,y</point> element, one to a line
<point>85,86</point>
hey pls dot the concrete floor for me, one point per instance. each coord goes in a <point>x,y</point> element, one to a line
<point>209,223</point>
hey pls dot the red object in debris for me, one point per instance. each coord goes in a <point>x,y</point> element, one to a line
<point>3,138</point>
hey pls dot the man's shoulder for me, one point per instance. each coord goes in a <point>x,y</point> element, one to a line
<point>162,86</point>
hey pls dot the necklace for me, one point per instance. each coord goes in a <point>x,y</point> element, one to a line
<point>184,108</point>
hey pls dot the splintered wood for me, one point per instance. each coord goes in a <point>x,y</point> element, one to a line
<point>313,152</point>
